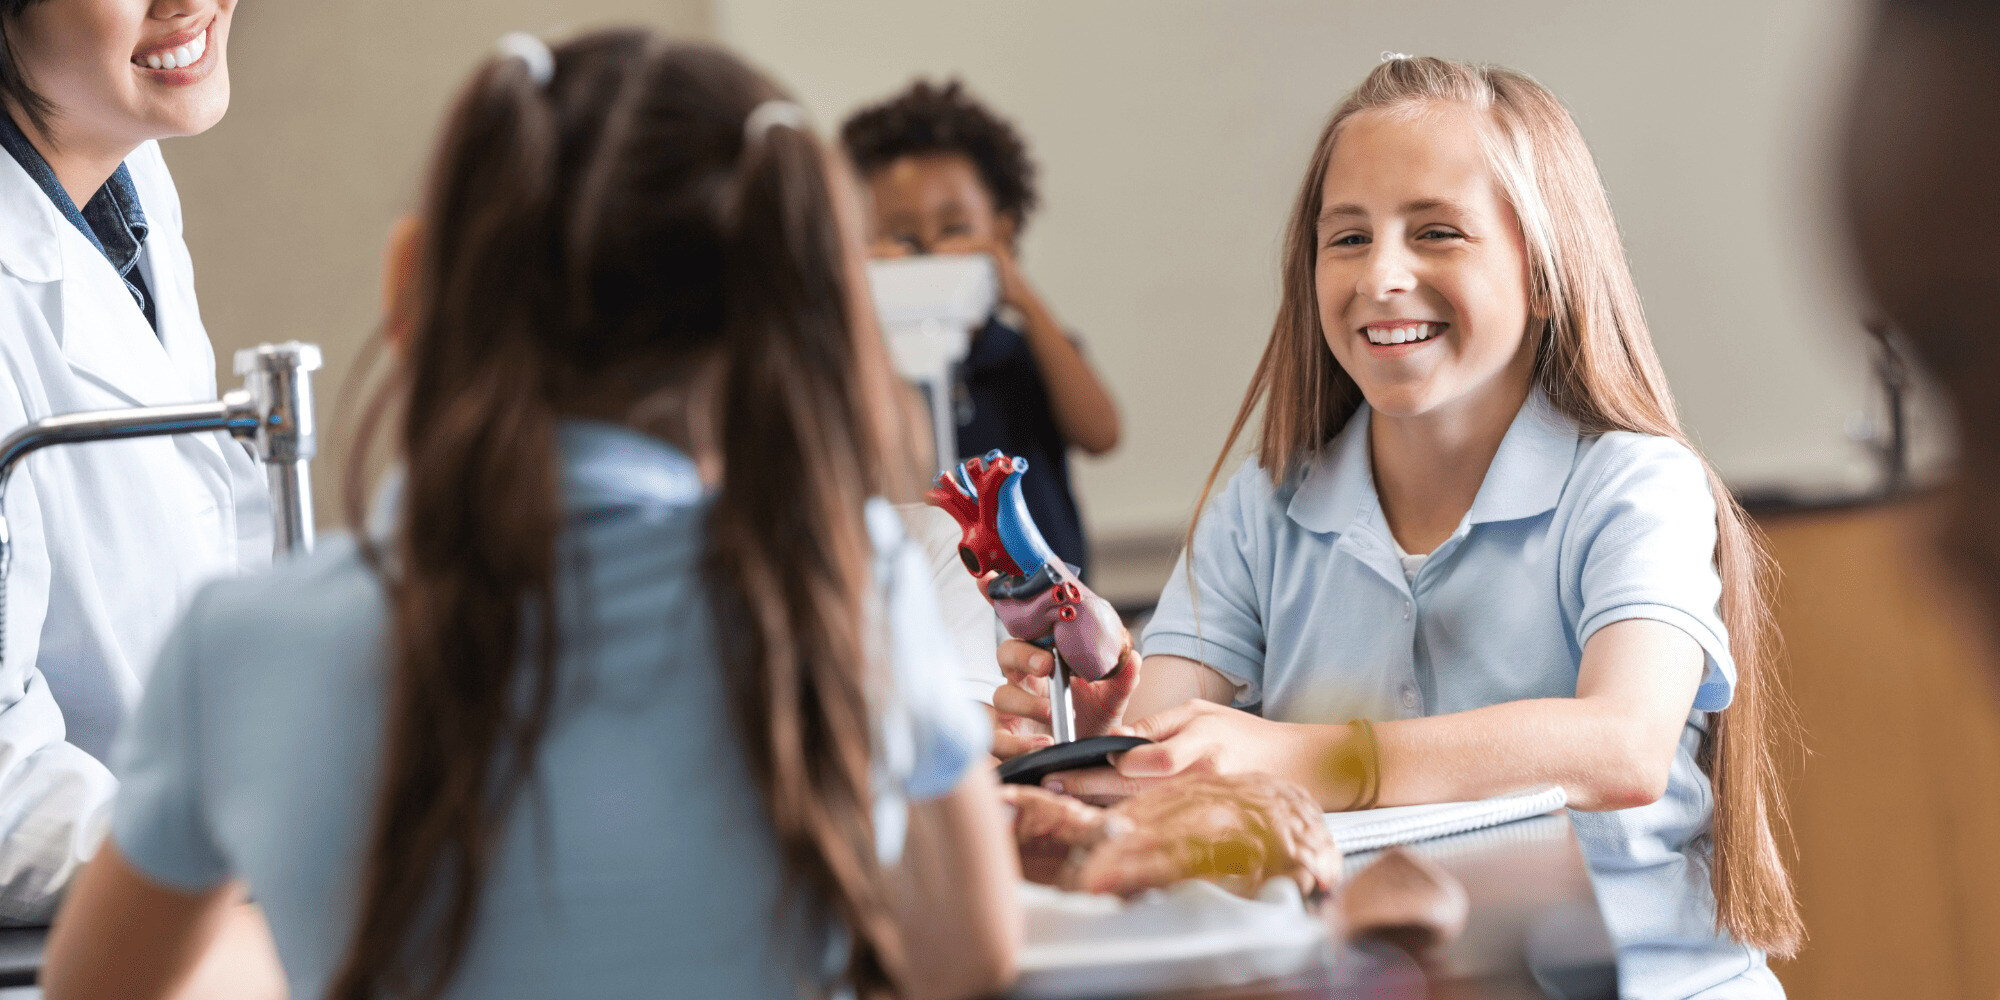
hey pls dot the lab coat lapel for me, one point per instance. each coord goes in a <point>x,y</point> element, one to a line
<point>107,340</point>
<point>182,334</point>
<point>104,334</point>
<point>170,275</point>
<point>28,247</point>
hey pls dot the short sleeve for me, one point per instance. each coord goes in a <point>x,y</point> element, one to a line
<point>929,735</point>
<point>160,821</point>
<point>1646,549</point>
<point>1211,610</point>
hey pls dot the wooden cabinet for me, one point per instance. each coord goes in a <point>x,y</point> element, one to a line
<point>1896,809</point>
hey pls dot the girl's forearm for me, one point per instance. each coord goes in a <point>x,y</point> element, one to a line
<point>1083,409</point>
<point>1589,749</point>
<point>1171,681</point>
<point>955,893</point>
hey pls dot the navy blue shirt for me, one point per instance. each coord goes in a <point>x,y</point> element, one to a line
<point>112,220</point>
<point>1003,403</point>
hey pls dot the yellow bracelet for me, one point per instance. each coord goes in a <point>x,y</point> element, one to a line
<point>1369,791</point>
<point>1356,761</point>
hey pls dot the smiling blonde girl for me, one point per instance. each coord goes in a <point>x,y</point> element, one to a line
<point>1475,551</point>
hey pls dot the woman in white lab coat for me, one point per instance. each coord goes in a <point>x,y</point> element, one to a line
<point>97,310</point>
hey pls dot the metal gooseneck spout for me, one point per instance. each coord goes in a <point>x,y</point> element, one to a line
<point>273,412</point>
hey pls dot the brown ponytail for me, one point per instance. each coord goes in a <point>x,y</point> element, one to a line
<point>611,232</point>
<point>792,476</point>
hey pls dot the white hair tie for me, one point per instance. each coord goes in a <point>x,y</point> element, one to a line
<point>1393,56</point>
<point>533,52</point>
<point>769,115</point>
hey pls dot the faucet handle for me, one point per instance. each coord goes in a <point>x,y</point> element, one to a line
<point>291,355</point>
<point>278,378</point>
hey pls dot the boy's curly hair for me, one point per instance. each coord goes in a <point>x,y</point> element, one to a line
<point>927,118</point>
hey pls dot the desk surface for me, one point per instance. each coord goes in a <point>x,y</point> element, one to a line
<point>1534,929</point>
<point>20,954</point>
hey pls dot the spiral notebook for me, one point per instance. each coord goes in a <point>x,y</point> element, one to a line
<point>1369,829</point>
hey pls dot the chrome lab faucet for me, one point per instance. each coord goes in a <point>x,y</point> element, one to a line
<point>273,412</point>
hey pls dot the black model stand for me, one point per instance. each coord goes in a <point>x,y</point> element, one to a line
<point>1068,753</point>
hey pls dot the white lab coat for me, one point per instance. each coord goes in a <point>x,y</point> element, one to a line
<point>109,538</point>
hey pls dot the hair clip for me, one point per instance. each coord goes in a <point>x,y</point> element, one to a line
<point>770,114</point>
<point>1393,56</point>
<point>533,52</point>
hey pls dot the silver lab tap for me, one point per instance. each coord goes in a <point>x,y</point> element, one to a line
<point>273,412</point>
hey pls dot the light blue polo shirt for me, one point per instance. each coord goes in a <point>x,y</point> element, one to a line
<point>1303,603</point>
<point>640,863</point>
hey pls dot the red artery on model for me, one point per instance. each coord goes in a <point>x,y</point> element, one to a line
<point>1036,595</point>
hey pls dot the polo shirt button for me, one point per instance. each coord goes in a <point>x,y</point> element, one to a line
<point>1410,696</point>
<point>1406,610</point>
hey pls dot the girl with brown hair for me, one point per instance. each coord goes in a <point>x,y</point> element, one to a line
<point>1474,551</point>
<point>636,692</point>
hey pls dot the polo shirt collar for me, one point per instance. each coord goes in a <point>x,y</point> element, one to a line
<point>1531,468</point>
<point>607,465</point>
<point>1526,478</point>
<point>604,467</point>
<point>1339,485</point>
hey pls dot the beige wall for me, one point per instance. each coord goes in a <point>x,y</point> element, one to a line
<point>1172,133</point>
<point>288,200</point>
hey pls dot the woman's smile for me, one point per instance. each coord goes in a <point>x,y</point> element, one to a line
<point>178,59</point>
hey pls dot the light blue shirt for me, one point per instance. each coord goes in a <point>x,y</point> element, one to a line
<point>640,864</point>
<point>1304,604</point>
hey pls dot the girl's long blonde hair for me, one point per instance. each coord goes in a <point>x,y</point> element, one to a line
<point>1595,361</point>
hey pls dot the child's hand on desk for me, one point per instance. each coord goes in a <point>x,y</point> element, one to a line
<point>1201,737</point>
<point>1022,704</point>
<point>1235,831</point>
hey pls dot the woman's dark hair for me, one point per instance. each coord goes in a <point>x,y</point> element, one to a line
<point>926,119</point>
<point>14,87</point>
<point>615,227</point>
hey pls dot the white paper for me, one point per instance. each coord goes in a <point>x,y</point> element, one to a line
<point>1369,829</point>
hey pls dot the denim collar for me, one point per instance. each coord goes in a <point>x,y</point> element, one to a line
<point>112,220</point>
<point>1526,478</point>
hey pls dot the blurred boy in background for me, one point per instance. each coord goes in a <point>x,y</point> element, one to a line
<point>946,175</point>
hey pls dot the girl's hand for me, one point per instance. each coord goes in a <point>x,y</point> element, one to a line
<point>1237,831</point>
<point>1041,815</point>
<point>1050,828</point>
<point>1202,737</point>
<point>1022,704</point>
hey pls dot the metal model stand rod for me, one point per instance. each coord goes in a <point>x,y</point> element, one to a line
<point>1062,714</point>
